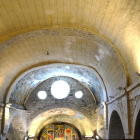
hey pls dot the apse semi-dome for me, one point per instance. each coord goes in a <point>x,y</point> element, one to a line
<point>33,77</point>
<point>60,89</point>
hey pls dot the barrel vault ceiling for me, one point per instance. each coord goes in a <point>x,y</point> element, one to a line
<point>115,21</point>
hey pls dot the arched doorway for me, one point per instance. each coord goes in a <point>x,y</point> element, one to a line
<point>137,127</point>
<point>115,128</point>
<point>100,127</point>
<point>59,131</point>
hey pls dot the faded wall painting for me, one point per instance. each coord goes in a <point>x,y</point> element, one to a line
<point>81,120</point>
<point>32,79</point>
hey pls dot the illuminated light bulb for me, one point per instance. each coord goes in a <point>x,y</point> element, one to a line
<point>97,137</point>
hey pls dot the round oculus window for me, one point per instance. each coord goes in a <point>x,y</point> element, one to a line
<point>60,89</point>
<point>79,94</point>
<point>42,95</point>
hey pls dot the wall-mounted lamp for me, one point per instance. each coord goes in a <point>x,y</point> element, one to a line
<point>97,137</point>
<point>88,136</point>
<point>138,73</point>
<point>8,105</point>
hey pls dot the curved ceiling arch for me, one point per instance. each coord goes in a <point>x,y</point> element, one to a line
<point>110,19</point>
<point>51,116</point>
<point>68,32</point>
<point>58,119</point>
<point>90,114</point>
<point>72,125</point>
<point>29,80</point>
<point>97,53</point>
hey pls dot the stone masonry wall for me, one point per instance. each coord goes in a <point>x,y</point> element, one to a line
<point>134,107</point>
<point>85,105</point>
<point>15,123</point>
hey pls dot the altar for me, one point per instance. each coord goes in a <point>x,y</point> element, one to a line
<point>59,132</point>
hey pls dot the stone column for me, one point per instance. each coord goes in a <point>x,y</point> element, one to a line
<point>2,136</point>
<point>105,115</point>
<point>105,118</point>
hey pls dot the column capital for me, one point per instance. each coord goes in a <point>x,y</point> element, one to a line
<point>104,103</point>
